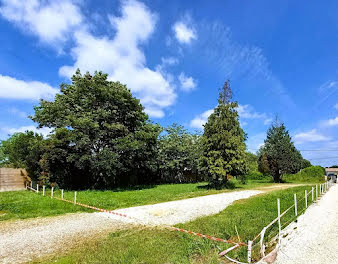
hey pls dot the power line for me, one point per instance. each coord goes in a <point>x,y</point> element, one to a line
<point>324,158</point>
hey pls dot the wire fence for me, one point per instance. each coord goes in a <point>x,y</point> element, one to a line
<point>264,241</point>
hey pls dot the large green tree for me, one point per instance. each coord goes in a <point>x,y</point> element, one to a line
<point>102,137</point>
<point>223,141</point>
<point>179,152</point>
<point>279,153</point>
<point>23,150</point>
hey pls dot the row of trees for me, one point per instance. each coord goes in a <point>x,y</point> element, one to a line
<point>102,138</point>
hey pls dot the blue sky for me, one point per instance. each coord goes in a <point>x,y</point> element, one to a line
<point>280,56</point>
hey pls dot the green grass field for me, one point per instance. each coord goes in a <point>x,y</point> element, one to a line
<point>25,204</point>
<point>248,216</point>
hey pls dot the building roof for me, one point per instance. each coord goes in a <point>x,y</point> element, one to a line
<point>331,169</point>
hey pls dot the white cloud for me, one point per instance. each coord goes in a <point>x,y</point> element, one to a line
<point>187,83</point>
<point>309,136</point>
<point>44,131</point>
<point>184,33</point>
<point>51,21</point>
<point>336,106</point>
<point>12,88</point>
<point>244,112</point>
<point>201,119</point>
<point>247,112</point>
<point>123,59</point>
<point>332,122</point>
<point>267,121</point>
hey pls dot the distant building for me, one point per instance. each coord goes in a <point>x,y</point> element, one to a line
<point>331,174</point>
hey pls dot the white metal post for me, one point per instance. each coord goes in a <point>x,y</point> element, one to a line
<point>249,251</point>
<point>295,196</point>
<point>305,199</point>
<point>279,225</point>
<point>74,197</point>
<point>316,191</point>
<point>43,190</point>
<point>313,194</point>
<point>51,194</point>
<point>37,188</point>
<point>62,194</point>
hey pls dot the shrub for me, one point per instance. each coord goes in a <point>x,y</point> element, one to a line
<point>256,175</point>
<point>309,174</point>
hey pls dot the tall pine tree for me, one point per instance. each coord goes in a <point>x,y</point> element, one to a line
<point>279,152</point>
<point>223,141</point>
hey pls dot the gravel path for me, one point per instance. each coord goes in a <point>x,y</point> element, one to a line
<point>181,211</point>
<point>314,238</point>
<point>23,240</point>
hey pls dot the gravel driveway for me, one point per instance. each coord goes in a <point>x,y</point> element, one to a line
<point>23,240</point>
<point>314,238</point>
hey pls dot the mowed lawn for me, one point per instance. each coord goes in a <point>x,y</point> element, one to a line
<point>27,204</point>
<point>241,221</point>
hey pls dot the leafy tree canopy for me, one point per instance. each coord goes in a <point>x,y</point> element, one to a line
<point>23,150</point>
<point>179,152</point>
<point>102,137</point>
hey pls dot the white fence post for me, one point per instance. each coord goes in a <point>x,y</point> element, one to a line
<point>305,199</point>
<point>62,194</point>
<point>295,196</point>
<point>249,251</point>
<point>313,194</point>
<point>52,191</point>
<point>279,225</point>
<point>43,190</point>
<point>74,197</point>
<point>316,191</point>
<point>37,188</point>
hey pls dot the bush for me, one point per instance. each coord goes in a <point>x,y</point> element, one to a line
<point>255,175</point>
<point>309,174</point>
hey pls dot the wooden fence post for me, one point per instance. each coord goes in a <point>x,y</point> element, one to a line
<point>279,224</point>
<point>62,194</point>
<point>74,197</point>
<point>305,199</point>
<point>43,190</point>
<point>31,184</point>
<point>52,191</point>
<point>249,251</point>
<point>295,196</point>
<point>313,194</point>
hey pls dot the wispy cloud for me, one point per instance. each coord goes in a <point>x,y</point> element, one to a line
<point>310,136</point>
<point>336,106</point>
<point>17,112</point>
<point>245,112</point>
<point>236,60</point>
